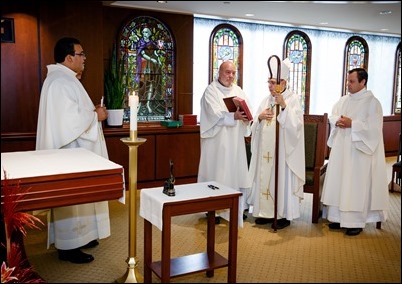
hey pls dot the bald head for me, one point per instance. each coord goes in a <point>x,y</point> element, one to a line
<point>227,73</point>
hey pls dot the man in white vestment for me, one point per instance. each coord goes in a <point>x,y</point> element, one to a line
<point>223,152</point>
<point>291,163</point>
<point>355,190</point>
<point>68,119</point>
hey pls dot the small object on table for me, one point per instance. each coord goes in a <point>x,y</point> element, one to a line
<point>168,187</point>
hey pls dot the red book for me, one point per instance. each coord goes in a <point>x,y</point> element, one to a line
<point>233,102</point>
<point>188,119</point>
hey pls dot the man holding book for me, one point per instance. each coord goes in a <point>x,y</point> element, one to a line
<point>291,162</point>
<point>223,152</point>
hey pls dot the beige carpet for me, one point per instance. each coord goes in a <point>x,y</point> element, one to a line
<point>301,253</point>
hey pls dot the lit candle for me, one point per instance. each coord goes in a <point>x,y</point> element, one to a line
<point>133,103</point>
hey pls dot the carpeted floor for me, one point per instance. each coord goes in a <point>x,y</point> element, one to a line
<point>301,253</point>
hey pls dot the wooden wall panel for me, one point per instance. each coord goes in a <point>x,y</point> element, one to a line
<point>12,142</point>
<point>119,153</point>
<point>183,149</point>
<point>82,20</point>
<point>19,70</point>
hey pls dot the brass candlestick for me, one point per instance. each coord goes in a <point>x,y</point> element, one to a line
<point>132,275</point>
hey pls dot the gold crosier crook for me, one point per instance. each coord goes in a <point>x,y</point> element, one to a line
<point>278,90</point>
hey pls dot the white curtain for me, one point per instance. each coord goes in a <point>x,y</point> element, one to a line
<point>262,40</point>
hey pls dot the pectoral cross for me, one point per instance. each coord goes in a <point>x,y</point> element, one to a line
<point>272,107</point>
<point>268,194</point>
<point>267,157</point>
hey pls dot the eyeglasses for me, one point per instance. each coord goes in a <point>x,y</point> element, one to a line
<point>213,186</point>
<point>80,54</point>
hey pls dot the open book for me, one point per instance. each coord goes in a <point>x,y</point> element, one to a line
<point>233,102</point>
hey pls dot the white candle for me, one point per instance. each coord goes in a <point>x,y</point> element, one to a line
<point>133,103</point>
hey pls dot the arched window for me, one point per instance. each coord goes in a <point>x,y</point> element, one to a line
<point>297,48</point>
<point>226,43</point>
<point>148,49</point>
<point>356,56</point>
<point>396,101</point>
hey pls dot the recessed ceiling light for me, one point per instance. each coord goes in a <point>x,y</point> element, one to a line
<point>249,15</point>
<point>386,12</point>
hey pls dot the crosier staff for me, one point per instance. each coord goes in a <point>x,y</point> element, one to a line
<point>278,90</point>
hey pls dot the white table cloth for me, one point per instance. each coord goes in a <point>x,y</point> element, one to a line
<point>153,199</point>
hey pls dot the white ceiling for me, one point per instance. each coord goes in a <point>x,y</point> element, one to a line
<point>348,16</point>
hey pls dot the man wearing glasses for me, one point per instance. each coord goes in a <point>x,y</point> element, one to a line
<point>69,119</point>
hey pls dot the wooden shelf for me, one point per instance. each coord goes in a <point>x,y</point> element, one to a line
<point>190,264</point>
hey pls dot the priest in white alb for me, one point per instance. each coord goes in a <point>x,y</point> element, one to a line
<point>355,190</point>
<point>223,152</point>
<point>69,119</point>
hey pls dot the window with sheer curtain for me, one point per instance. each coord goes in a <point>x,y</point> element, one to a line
<point>298,50</point>
<point>261,40</point>
<point>356,56</point>
<point>396,102</point>
<point>226,44</point>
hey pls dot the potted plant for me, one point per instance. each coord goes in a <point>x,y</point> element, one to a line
<point>115,90</point>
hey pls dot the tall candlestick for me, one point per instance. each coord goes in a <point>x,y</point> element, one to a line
<point>133,103</point>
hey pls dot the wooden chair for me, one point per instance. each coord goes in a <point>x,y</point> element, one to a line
<point>316,130</point>
<point>396,168</point>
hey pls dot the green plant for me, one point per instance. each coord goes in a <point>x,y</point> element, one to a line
<point>115,83</point>
<point>16,268</point>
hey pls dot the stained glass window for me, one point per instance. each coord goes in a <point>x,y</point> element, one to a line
<point>226,44</point>
<point>356,56</point>
<point>148,49</point>
<point>396,102</point>
<point>298,50</point>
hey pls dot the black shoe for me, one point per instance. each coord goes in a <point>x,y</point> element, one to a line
<point>263,221</point>
<point>334,226</point>
<point>353,231</point>
<point>244,216</point>
<point>91,244</point>
<point>75,256</point>
<point>281,223</point>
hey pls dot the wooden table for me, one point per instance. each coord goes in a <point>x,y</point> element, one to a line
<point>190,198</point>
